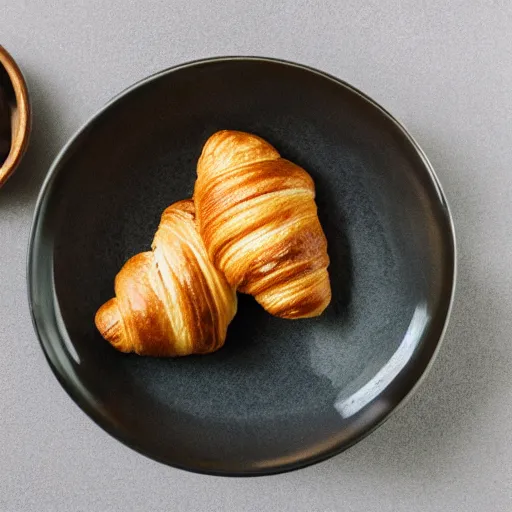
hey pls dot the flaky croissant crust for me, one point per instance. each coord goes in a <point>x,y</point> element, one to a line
<point>170,301</point>
<point>258,219</point>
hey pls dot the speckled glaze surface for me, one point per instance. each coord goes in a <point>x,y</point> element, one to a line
<point>281,394</point>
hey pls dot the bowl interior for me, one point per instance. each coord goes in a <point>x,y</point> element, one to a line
<point>281,393</point>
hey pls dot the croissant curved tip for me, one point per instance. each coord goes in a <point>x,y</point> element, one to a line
<point>236,139</point>
<point>109,323</point>
<point>312,300</point>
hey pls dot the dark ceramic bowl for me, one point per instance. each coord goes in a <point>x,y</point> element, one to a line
<point>281,394</point>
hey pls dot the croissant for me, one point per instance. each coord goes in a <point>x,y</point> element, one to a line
<point>257,216</point>
<point>170,301</point>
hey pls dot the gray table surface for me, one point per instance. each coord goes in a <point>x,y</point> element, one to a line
<point>446,72</point>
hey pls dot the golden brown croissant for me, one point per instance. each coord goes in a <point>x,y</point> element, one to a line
<point>170,301</point>
<point>257,216</point>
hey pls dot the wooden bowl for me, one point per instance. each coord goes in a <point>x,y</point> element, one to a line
<point>19,106</point>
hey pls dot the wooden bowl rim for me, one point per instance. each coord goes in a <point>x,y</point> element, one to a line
<point>20,139</point>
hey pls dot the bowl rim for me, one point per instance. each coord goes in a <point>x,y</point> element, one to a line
<point>19,142</point>
<point>278,468</point>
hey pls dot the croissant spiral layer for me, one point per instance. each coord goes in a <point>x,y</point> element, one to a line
<point>170,301</point>
<point>257,216</point>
